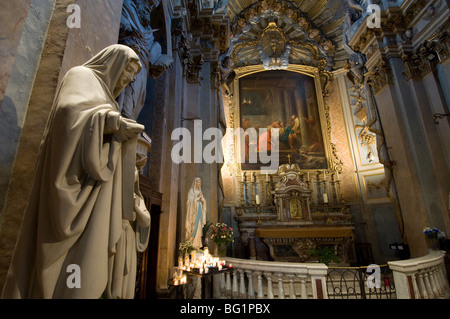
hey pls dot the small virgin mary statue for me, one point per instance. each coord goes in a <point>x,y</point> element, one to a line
<point>195,213</point>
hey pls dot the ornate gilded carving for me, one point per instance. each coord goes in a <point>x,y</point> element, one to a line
<point>295,40</point>
<point>380,76</point>
<point>303,247</point>
<point>273,48</point>
<point>424,60</point>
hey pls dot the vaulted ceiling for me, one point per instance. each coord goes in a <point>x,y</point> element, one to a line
<point>250,21</point>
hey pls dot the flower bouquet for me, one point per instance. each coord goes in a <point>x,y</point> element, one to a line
<point>185,248</point>
<point>221,233</point>
<point>433,235</point>
<point>431,232</point>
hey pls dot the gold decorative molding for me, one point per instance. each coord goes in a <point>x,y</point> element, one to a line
<point>380,76</point>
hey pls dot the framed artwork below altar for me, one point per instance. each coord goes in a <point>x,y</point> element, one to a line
<point>290,102</point>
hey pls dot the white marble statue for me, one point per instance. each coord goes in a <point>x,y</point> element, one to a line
<point>82,212</point>
<point>195,213</point>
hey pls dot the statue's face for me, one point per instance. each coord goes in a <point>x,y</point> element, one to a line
<point>198,183</point>
<point>129,74</point>
<point>126,78</point>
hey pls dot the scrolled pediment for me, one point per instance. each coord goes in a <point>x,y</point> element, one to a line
<point>276,34</point>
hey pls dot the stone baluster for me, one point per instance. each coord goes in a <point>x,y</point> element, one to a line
<point>292,294</point>
<point>443,276</point>
<point>242,291</point>
<point>281,294</point>
<point>437,280</point>
<point>234,289</point>
<point>303,292</point>
<point>421,284</point>
<point>434,285</point>
<point>228,284</point>
<point>222,284</point>
<point>250,290</point>
<point>260,292</point>
<point>269,285</point>
<point>426,279</point>
<point>442,280</point>
<point>415,285</point>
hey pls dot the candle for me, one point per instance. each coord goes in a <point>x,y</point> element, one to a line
<point>219,267</point>
<point>175,282</point>
<point>325,198</point>
<point>307,176</point>
<point>257,200</point>
<point>267,177</point>
<point>243,177</point>
<point>180,262</point>
<point>324,175</point>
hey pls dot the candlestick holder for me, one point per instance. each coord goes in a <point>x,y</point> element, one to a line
<point>333,192</point>
<point>244,193</point>
<point>252,186</point>
<point>339,196</point>
<point>269,197</point>
<point>258,212</point>
<point>308,183</point>
<point>319,194</point>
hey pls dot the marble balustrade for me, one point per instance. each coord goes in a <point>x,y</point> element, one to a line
<point>421,278</point>
<point>253,279</point>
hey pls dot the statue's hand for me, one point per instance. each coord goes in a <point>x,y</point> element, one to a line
<point>129,129</point>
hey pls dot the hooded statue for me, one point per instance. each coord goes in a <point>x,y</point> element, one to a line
<point>195,214</point>
<point>82,208</point>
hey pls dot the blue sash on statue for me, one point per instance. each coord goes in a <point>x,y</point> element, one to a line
<point>198,219</point>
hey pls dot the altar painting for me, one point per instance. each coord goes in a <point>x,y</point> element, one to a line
<point>287,101</point>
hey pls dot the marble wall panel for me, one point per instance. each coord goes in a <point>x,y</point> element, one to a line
<point>340,138</point>
<point>13,15</point>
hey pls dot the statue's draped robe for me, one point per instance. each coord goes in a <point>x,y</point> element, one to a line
<point>193,208</point>
<point>81,201</point>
